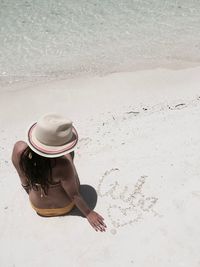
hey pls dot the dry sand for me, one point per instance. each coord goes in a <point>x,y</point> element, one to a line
<point>139,147</point>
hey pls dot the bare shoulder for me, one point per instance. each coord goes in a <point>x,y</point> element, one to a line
<point>18,148</point>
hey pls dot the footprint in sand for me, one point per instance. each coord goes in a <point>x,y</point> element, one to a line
<point>178,106</point>
<point>130,114</point>
<point>135,113</point>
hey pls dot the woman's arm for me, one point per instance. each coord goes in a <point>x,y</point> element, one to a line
<point>69,184</point>
<point>16,154</point>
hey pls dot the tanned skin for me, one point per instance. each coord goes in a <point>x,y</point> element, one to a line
<point>61,194</point>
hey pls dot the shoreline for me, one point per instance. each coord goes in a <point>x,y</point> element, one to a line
<point>9,81</point>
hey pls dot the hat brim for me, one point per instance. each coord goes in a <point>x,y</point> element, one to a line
<point>50,151</point>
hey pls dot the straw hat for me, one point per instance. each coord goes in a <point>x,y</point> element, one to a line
<point>52,136</point>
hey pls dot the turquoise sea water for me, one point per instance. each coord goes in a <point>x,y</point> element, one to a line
<point>50,38</point>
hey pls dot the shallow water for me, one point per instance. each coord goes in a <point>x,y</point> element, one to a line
<point>66,38</point>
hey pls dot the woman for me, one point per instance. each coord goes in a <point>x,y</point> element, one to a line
<point>46,170</point>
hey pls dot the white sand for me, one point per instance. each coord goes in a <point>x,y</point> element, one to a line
<point>144,165</point>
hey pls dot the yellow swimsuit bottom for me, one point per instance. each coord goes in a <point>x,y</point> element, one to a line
<point>54,212</point>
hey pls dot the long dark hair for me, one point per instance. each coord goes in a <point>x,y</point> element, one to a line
<point>37,169</point>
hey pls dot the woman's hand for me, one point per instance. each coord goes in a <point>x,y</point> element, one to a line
<point>96,221</point>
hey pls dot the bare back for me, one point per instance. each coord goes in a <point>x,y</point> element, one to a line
<point>57,196</point>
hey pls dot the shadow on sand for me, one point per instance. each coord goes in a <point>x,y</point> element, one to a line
<point>89,194</point>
